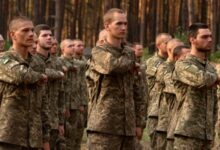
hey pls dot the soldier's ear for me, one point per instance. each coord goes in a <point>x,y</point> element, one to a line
<point>12,34</point>
<point>106,25</point>
<point>192,40</point>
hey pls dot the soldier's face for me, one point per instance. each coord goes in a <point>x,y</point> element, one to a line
<point>53,49</point>
<point>138,49</point>
<point>23,35</point>
<point>69,48</point>
<point>203,40</point>
<point>33,50</point>
<point>45,39</point>
<point>118,27</point>
<point>78,47</point>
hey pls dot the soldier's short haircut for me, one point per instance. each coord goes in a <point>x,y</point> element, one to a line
<point>63,43</point>
<point>173,42</point>
<point>13,24</point>
<point>178,50</point>
<point>159,38</point>
<point>193,29</point>
<point>108,16</point>
<point>40,27</point>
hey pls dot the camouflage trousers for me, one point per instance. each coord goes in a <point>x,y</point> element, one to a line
<point>101,141</point>
<point>151,127</point>
<point>6,146</point>
<point>170,143</point>
<point>71,130</point>
<point>187,143</point>
<point>80,130</point>
<point>56,142</point>
<point>161,140</point>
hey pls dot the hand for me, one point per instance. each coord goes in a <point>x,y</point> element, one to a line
<point>82,109</point>
<point>46,146</point>
<point>61,130</point>
<point>43,79</point>
<point>65,69</point>
<point>138,131</point>
<point>67,113</point>
<point>61,74</point>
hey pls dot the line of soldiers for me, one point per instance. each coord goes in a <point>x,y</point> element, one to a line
<point>180,91</point>
<point>43,96</point>
<point>182,108</point>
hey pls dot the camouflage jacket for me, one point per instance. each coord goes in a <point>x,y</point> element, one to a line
<point>114,102</point>
<point>167,93</point>
<point>196,98</point>
<point>40,129</point>
<point>55,93</point>
<point>81,62</point>
<point>17,80</point>
<point>72,83</point>
<point>152,66</point>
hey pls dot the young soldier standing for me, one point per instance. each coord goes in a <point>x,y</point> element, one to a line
<point>114,109</point>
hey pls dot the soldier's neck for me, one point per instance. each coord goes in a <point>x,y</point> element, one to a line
<point>77,56</point>
<point>114,42</point>
<point>67,55</point>
<point>198,54</point>
<point>22,51</point>
<point>43,52</point>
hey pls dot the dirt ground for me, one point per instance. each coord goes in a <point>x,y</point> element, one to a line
<point>144,141</point>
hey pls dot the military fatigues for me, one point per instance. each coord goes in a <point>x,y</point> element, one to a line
<point>164,84</point>
<point>73,102</point>
<point>196,97</point>
<point>115,107</point>
<point>21,119</point>
<point>55,93</point>
<point>81,62</point>
<point>152,105</point>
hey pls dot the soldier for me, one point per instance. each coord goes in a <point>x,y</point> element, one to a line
<point>169,96</point>
<point>115,106</point>
<point>138,50</point>
<point>17,81</point>
<point>55,91</point>
<point>33,49</point>
<point>164,70</point>
<point>152,65</point>
<point>102,37</point>
<point>2,43</point>
<point>81,61</point>
<point>195,81</point>
<point>72,89</point>
<point>39,63</point>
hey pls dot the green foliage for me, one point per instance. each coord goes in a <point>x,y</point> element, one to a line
<point>215,57</point>
<point>146,54</point>
<point>7,45</point>
<point>181,34</point>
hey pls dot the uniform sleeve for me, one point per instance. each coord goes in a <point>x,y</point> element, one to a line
<point>45,116</point>
<point>15,73</point>
<point>191,75</point>
<point>52,74</point>
<point>106,63</point>
<point>61,102</point>
<point>140,103</point>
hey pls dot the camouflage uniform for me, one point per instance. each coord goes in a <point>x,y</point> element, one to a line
<point>166,100</point>
<point>81,62</point>
<point>197,103</point>
<point>39,93</point>
<point>152,105</point>
<point>21,118</point>
<point>55,93</point>
<point>73,103</point>
<point>115,107</point>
